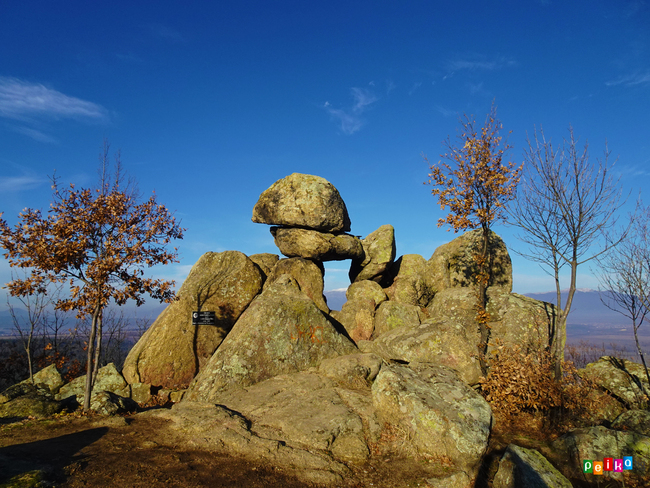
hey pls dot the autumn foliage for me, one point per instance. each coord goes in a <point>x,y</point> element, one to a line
<point>476,185</point>
<point>97,241</point>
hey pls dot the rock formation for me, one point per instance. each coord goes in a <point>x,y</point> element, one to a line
<point>280,377</point>
<point>173,351</point>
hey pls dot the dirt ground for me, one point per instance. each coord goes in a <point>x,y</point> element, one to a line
<point>93,451</point>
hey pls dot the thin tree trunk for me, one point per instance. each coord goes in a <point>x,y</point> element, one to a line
<point>482,292</point>
<point>28,350</point>
<point>98,347</point>
<point>90,354</point>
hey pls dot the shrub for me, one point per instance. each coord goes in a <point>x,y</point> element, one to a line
<point>520,381</point>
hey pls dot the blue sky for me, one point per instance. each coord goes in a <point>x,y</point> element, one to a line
<point>211,102</point>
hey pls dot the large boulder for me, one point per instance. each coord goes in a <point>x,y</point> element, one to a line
<point>445,419</point>
<point>434,341</point>
<point>358,318</point>
<point>625,380</point>
<point>108,403</point>
<point>108,379</point>
<point>300,200</point>
<point>308,275</point>
<point>28,400</point>
<point>521,320</point>
<point>597,443</point>
<point>366,290</point>
<point>453,264</point>
<point>412,281</point>
<point>378,254</point>
<point>49,377</point>
<point>312,244</point>
<point>173,350</point>
<point>266,262</point>
<point>281,332</point>
<point>521,467</point>
<point>457,305</point>
<point>391,315</point>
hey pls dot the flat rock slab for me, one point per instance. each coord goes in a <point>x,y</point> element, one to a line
<point>221,429</point>
<point>300,200</point>
<point>320,246</point>
<point>304,411</point>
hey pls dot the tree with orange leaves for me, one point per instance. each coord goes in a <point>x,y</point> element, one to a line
<point>476,188</point>
<point>98,241</point>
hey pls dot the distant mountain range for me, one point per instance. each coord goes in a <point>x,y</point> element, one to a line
<point>589,319</point>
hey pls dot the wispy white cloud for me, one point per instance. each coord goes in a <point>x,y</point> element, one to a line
<point>20,183</point>
<point>350,119</point>
<point>23,100</point>
<point>414,87</point>
<point>631,80</point>
<point>477,63</point>
<point>445,112</point>
<point>35,134</point>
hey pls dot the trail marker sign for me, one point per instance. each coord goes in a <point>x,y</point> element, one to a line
<point>204,318</point>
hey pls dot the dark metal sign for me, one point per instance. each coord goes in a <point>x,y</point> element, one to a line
<point>204,318</point>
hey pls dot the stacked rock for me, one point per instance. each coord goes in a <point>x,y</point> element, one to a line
<point>310,219</point>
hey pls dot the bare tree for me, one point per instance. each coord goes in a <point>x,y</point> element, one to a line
<point>30,325</point>
<point>625,279</point>
<point>566,206</point>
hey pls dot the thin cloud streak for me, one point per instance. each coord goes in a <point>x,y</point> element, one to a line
<point>37,135</point>
<point>477,64</point>
<point>21,100</point>
<point>631,80</point>
<point>351,120</point>
<point>20,183</point>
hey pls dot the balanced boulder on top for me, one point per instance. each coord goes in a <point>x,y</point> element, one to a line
<point>306,201</point>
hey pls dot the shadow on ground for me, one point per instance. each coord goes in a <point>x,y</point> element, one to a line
<point>49,458</point>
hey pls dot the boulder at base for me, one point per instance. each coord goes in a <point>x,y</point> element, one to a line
<point>527,467</point>
<point>446,420</point>
<point>281,332</point>
<point>300,200</point>
<point>173,350</point>
<point>621,378</point>
<point>27,400</point>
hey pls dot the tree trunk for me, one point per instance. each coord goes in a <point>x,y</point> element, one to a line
<point>98,347</point>
<point>483,280</point>
<point>90,355</point>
